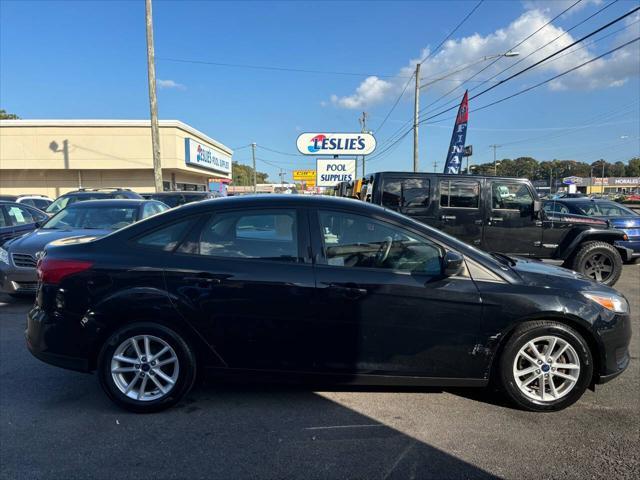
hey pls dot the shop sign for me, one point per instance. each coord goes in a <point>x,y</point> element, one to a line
<point>330,172</point>
<point>200,155</point>
<point>336,143</point>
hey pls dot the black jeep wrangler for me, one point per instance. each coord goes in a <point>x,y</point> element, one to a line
<point>502,215</point>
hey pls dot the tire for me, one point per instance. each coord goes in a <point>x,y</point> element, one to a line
<point>593,258</point>
<point>544,334</point>
<point>152,376</point>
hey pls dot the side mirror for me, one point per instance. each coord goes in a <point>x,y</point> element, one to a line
<point>537,208</point>
<point>452,264</point>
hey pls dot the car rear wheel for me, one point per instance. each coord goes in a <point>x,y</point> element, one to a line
<point>545,366</point>
<point>599,261</point>
<point>146,367</point>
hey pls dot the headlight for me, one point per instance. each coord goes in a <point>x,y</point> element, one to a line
<point>4,256</point>
<point>612,302</point>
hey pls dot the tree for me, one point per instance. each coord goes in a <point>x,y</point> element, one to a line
<point>7,116</point>
<point>633,169</point>
<point>617,170</point>
<point>242,175</point>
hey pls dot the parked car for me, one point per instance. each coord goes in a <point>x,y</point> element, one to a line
<point>17,219</point>
<point>177,198</point>
<point>94,218</point>
<point>618,216</point>
<point>41,202</point>
<point>503,215</point>
<point>84,194</point>
<point>318,288</point>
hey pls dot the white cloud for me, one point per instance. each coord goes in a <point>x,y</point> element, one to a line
<point>170,84</point>
<point>611,71</point>
<point>372,90</point>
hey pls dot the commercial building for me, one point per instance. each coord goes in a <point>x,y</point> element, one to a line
<point>52,157</point>
<point>594,185</point>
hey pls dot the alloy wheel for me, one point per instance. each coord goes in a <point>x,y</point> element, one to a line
<point>599,266</point>
<point>546,368</point>
<point>145,367</point>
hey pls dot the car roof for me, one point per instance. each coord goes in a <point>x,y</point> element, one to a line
<point>275,200</point>
<point>581,200</point>
<point>448,175</point>
<point>112,202</point>
<point>177,192</point>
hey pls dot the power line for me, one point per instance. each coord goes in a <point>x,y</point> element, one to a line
<point>622,17</point>
<point>276,68</point>
<point>529,55</point>
<point>555,76</point>
<point>425,59</point>
<point>395,103</point>
<point>510,49</point>
<point>454,31</point>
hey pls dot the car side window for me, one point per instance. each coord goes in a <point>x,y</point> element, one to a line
<point>410,193</point>
<point>20,215</point>
<point>259,234</point>
<point>459,194</point>
<point>511,196</point>
<point>166,238</point>
<point>358,241</point>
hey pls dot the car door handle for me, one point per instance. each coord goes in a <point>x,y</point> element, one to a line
<point>448,217</point>
<point>496,219</point>
<point>349,292</point>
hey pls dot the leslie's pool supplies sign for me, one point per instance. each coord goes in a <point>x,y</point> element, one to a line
<point>330,172</point>
<point>336,143</point>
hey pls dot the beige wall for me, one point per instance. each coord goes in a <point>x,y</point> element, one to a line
<point>54,183</point>
<point>45,156</point>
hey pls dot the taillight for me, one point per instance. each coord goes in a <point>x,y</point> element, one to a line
<point>52,271</point>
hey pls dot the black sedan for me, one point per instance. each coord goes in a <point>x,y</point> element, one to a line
<point>322,288</point>
<point>619,216</point>
<point>17,219</point>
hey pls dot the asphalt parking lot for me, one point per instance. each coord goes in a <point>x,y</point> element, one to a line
<point>58,424</point>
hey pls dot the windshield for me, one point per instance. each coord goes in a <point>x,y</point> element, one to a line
<point>604,209</point>
<point>103,218</point>
<point>58,205</point>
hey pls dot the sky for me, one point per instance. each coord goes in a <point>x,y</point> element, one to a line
<point>330,61</point>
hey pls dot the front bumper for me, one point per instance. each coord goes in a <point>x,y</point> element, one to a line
<point>18,280</point>
<point>615,337</point>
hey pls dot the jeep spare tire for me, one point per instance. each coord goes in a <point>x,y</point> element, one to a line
<point>599,261</point>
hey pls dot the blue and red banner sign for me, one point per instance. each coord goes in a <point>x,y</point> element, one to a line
<point>456,148</point>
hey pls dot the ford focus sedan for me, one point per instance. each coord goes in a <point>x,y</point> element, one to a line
<point>322,289</point>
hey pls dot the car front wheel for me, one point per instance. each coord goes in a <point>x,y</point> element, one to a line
<point>146,367</point>
<point>545,366</point>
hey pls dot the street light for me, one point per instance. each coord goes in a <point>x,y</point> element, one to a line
<point>468,65</point>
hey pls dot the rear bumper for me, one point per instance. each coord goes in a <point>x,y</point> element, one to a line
<point>37,335</point>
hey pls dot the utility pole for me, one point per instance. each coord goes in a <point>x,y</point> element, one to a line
<point>255,175</point>
<point>416,118</point>
<point>495,165</point>
<point>281,175</point>
<point>435,166</point>
<point>153,100</point>
<point>602,178</point>
<point>363,129</point>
